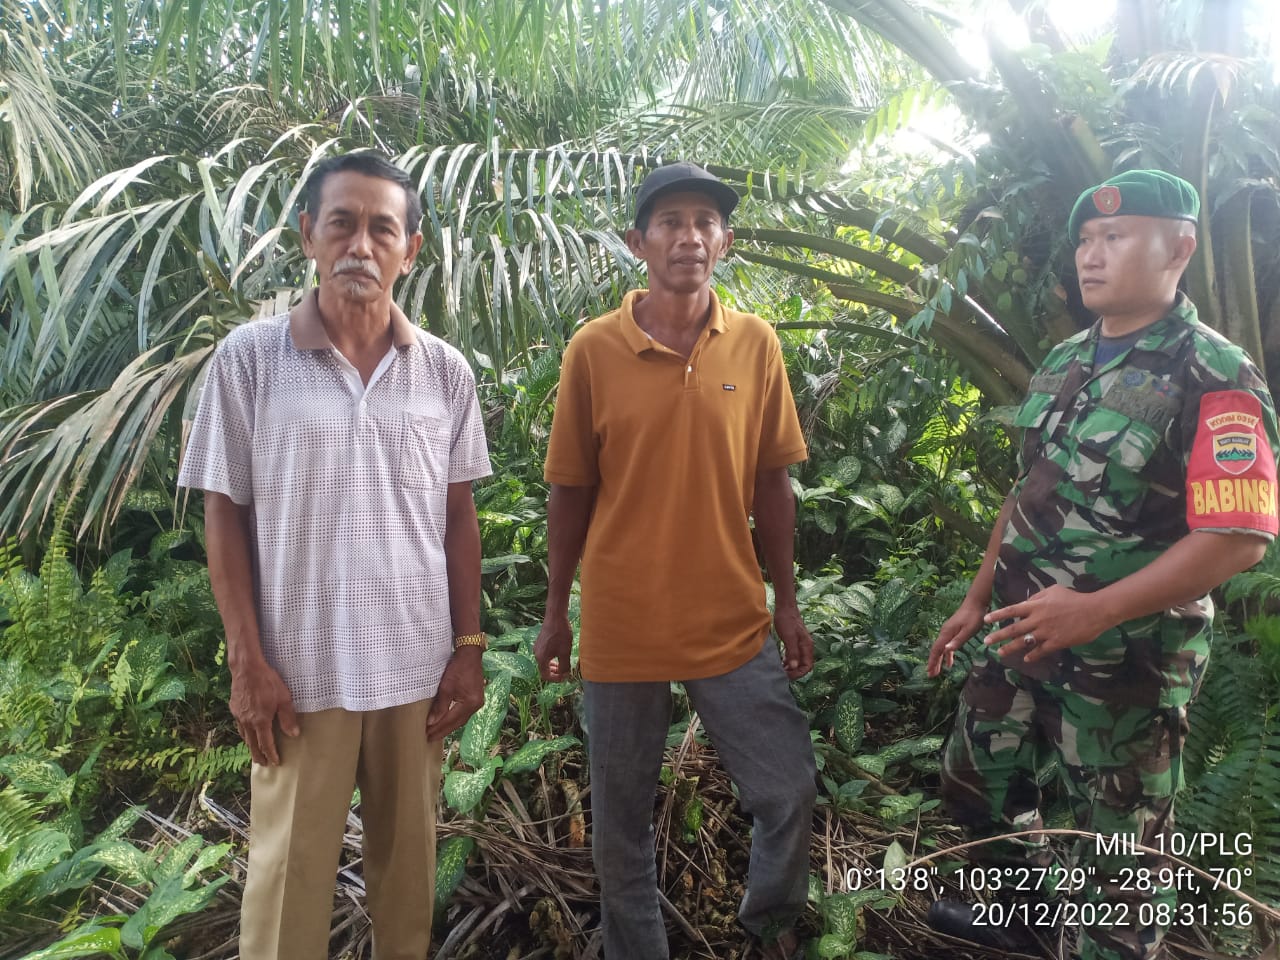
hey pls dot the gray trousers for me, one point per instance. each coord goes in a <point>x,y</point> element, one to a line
<point>762,739</point>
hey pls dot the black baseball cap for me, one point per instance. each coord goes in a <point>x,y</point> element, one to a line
<point>676,177</point>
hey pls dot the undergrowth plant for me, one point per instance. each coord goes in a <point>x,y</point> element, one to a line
<point>1232,755</point>
<point>102,696</point>
<point>42,868</point>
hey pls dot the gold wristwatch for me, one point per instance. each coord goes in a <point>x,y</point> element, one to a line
<point>471,640</point>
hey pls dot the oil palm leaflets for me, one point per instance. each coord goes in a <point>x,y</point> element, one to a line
<point>192,245</point>
<point>45,137</point>
<point>520,244</point>
<point>1173,111</point>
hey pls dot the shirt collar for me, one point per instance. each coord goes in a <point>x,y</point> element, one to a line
<point>639,341</point>
<point>1165,334</point>
<point>306,328</point>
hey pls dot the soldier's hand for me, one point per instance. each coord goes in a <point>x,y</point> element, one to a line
<point>554,648</point>
<point>955,633</point>
<point>258,698</point>
<point>797,645</point>
<point>1053,619</point>
<point>460,694</point>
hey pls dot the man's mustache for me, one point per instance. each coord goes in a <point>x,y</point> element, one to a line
<point>354,265</point>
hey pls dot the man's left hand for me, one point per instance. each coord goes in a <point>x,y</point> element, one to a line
<point>1054,619</point>
<point>461,693</point>
<point>797,645</point>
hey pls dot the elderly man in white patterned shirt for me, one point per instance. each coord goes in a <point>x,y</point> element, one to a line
<point>336,446</point>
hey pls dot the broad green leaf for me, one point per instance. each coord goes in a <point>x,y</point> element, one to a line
<point>870,763</point>
<point>519,666</point>
<point>170,688</point>
<point>79,870</point>
<point>849,721</point>
<point>168,901</point>
<point>32,775</point>
<point>89,941</point>
<point>832,946</point>
<point>481,731</point>
<point>843,912</point>
<point>552,692</point>
<point>532,754</point>
<point>895,855</point>
<point>926,745</point>
<point>167,540</point>
<point>895,809</point>
<point>860,597</point>
<point>463,789</point>
<point>36,852</point>
<point>126,860</point>
<point>889,496</point>
<point>209,857</point>
<point>847,470</point>
<point>174,863</point>
<point>494,564</point>
<point>451,865</point>
<point>521,638</point>
<point>896,752</point>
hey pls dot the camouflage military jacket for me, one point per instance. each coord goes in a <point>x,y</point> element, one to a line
<point>1103,488</point>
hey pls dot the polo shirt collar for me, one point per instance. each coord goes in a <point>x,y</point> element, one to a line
<point>308,332</point>
<point>639,341</point>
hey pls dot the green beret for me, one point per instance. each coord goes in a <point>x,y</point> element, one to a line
<point>1142,193</point>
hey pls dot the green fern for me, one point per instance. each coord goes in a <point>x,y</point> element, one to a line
<point>189,766</point>
<point>213,763</point>
<point>1232,762</point>
<point>19,816</point>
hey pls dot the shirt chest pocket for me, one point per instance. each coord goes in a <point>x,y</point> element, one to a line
<point>1032,417</point>
<point>423,461</point>
<point>1112,462</point>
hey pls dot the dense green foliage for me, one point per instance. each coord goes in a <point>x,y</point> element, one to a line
<point>150,159</point>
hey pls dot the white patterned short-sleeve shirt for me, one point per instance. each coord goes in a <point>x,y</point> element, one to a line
<point>348,487</point>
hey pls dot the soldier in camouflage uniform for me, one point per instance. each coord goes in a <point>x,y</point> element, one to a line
<point>1146,479</point>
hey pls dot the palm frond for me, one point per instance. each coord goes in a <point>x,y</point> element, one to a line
<point>49,138</point>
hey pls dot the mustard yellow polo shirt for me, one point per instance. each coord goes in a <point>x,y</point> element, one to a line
<point>671,589</point>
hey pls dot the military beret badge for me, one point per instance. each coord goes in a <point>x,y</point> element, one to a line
<point>1141,193</point>
<point>1107,199</point>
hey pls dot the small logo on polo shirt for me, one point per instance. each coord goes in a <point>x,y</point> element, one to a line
<point>728,386</point>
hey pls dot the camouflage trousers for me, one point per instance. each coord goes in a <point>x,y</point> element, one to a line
<point>1120,767</point>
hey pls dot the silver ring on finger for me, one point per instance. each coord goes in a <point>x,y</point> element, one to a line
<point>1029,639</point>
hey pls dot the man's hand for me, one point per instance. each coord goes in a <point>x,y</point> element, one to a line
<point>460,694</point>
<point>1054,619</point>
<point>955,633</point>
<point>258,698</point>
<point>797,645</point>
<point>554,648</point>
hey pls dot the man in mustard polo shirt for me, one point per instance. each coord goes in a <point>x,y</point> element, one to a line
<point>674,425</point>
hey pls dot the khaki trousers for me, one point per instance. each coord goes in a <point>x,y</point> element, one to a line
<point>298,814</point>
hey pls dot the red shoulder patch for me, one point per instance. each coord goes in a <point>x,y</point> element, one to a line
<point>1231,477</point>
